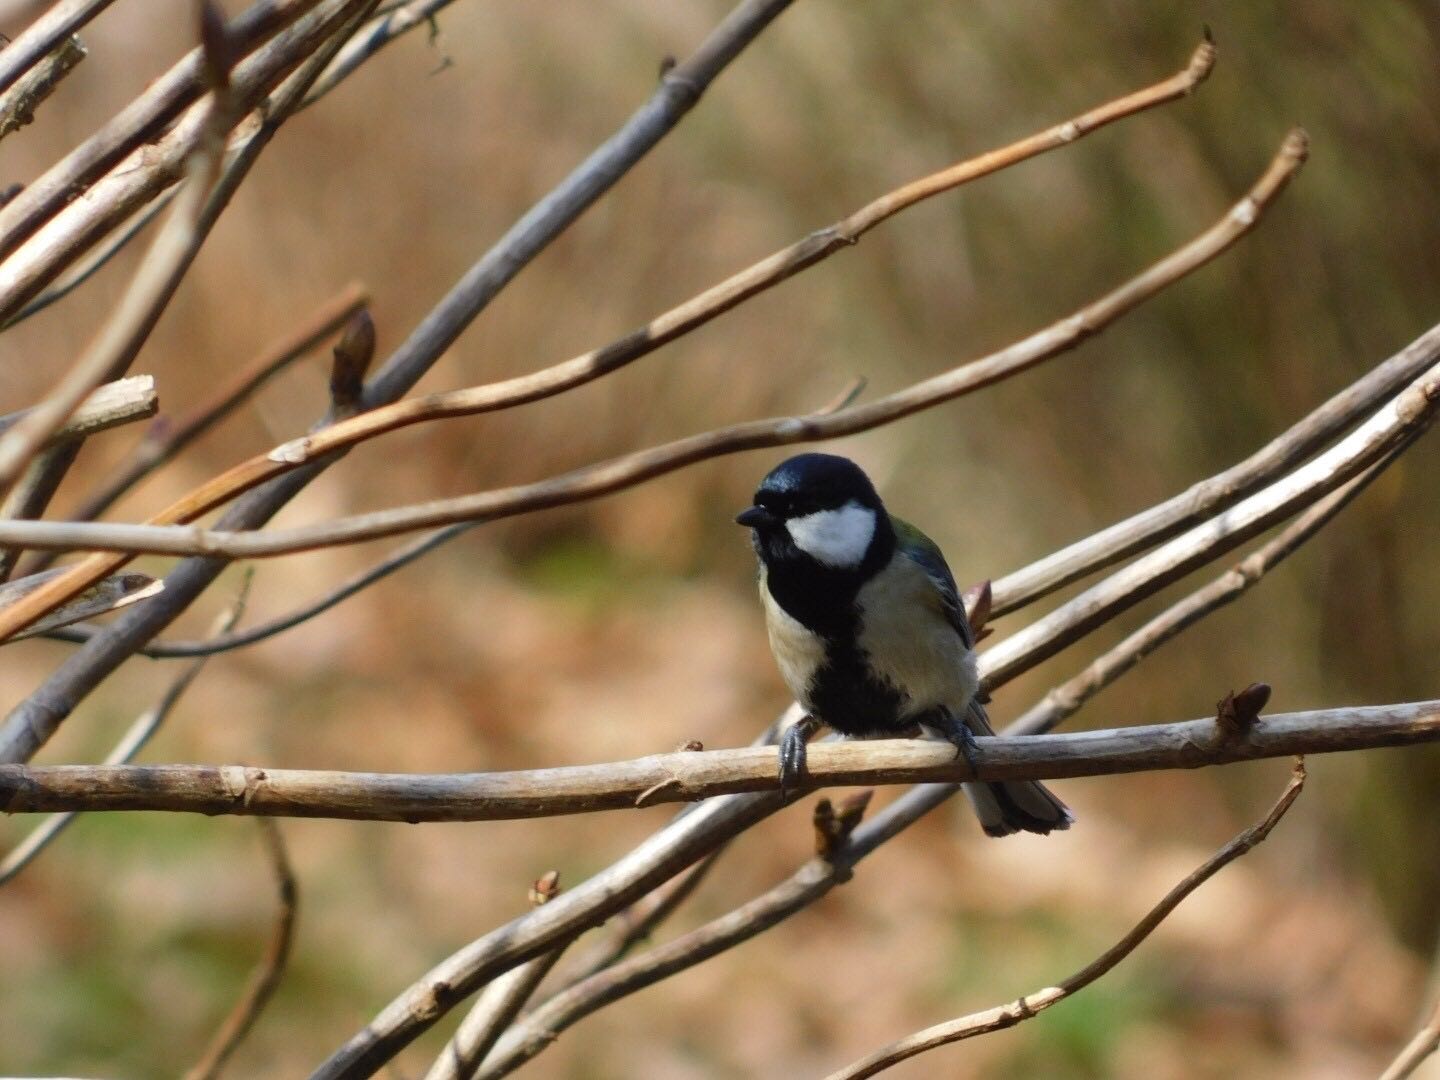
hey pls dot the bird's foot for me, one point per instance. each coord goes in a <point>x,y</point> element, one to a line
<point>792,752</point>
<point>959,735</point>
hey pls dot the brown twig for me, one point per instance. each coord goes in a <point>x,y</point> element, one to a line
<point>108,594</point>
<point>1024,1008</point>
<point>607,477</point>
<point>164,440</point>
<point>414,797</point>
<point>268,972</point>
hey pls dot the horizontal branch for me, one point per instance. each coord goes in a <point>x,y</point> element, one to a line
<point>691,775</point>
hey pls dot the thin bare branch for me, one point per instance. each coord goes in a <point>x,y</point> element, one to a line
<point>32,722</point>
<point>266,977</point>
<point>19,102</point>
<point>380,32</point>
<point>133,741</point>
<point>1392,427</point>
<point>164,441</point>
<point>1024,1008</point>
<point>607,477</point>
<point>1202,500</point>
<point>140,121</point>
<point>785,263</point>
<point>688,776</point>
<point>498,1004</point>
<point>130,323</point>
<point>94,261</point>
<point>44,36</point>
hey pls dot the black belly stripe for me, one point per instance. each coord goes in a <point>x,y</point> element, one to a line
<point>846,696</point>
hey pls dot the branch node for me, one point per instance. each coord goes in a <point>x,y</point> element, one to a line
<point>353,354</point>
<point>1237,713</point>
<point>833,826</point>
<point>645,797</point>
<point>545,888</point>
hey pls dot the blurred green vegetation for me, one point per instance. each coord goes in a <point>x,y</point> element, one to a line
<point>628,625</point>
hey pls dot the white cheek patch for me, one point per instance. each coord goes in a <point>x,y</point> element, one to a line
<point>837,538</point>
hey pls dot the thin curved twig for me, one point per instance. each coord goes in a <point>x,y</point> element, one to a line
<point>1024,1008</point>
<point>607,477</point>
<point>1065,700</point>
<point>687,776</point>
<point>264,980</point>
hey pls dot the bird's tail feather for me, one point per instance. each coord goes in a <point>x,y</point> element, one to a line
<point>1017,806</point>
<point>1012,806</point>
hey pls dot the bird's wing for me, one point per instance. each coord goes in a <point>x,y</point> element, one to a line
<point>919,548</point>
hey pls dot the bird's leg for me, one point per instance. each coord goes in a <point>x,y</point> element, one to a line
<point>792,751</point>
<point>959,735</point>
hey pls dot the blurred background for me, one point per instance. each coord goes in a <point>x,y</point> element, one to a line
<point>630,625</point>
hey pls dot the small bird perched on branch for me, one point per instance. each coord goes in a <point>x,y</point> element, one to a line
<point>868,628</point>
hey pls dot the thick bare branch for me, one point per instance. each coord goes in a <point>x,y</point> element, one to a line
<point>687,776</point>
<point>1026,1007</point>
<point>266,977</point>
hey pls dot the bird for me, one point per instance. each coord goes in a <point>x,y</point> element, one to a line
<point>868,629</point>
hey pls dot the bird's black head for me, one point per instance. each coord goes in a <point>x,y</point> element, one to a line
<point>822,510</point>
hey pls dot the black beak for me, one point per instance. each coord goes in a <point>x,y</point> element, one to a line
<point>756,517</point>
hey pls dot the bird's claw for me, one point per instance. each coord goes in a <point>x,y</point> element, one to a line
<point>793,753</point>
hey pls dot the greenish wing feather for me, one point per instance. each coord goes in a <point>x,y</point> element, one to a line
<point>918,547</point>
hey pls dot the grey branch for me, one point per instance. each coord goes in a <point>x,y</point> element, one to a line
<point>115,403</point>
<point>43,36</point>
<point>688,775</point>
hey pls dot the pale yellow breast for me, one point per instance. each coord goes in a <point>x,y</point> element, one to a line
<point>910,642</point>
<point>798,651</point>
